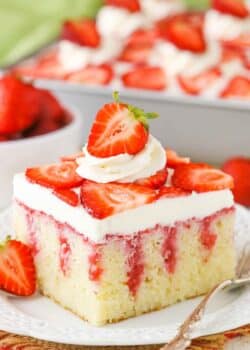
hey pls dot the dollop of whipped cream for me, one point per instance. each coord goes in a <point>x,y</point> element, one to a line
<point>123,167</point>
<point>157,9</point>
<point>224,26</point>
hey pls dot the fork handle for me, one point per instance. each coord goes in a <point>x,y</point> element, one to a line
<point>183,338</point>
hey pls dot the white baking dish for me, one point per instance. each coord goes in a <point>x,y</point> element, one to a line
<point>206,129</point>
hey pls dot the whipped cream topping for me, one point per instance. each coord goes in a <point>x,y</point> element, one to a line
<point>165,212</point>
<point>157,9</point>
<point>113,22</point>
<point>175,61</point>
<point>73,57</point>
<point>123,167</point>
<point>224,26</point>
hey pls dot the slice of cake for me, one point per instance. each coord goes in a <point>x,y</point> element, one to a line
<point>126,227</point>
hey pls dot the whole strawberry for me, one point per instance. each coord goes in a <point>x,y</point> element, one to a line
<point>19,105</point>
<point>239,169</point>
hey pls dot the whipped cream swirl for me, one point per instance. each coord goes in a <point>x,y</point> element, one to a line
<point>123,167</point>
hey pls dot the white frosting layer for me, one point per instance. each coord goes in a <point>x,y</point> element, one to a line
<point>223,26</point>
<point>175,61</point>
<point>164,212</point>
<point>123,167</point>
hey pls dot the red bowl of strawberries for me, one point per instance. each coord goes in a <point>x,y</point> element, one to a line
<point>34,126</point>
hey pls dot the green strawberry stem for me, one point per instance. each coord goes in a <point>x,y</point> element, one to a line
<point>137,113</point>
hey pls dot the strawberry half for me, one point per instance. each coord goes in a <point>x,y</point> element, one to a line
<point>196,84</point>
<point>82,32</point>
<point>142,37</point>
<point>236,8</point>
<point>238,87</point>
<point>57,176</point>
<point>239,169</point>
<point>96,75</point>
<point>155,181</point>
<point>184,30</point>
<point>118,128</point>
<point>201,178</point>
<point>19,105</point>
<point>173,159</point>
<point>17,269</point>
<point>103,200</point>
<point>68,196</point>
<point>149,78</point>
<point>171,192</point>
<point>130,5</point>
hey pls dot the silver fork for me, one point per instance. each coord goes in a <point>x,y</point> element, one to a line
<point>183,338</point>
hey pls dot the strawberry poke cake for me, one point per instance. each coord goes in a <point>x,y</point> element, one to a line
<point>154,45</point>
<point>125,227</point>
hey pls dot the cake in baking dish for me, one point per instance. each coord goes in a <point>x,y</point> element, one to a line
<point>125,227</point>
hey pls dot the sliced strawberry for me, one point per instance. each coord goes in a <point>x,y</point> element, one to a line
<point>19,105</point>
<point>47,66</point>
<point>238,87</point>
<point>239,169</point>
<point>103,200</point>
<point>197,84</point>
<point>246,58</point>
<point>68,196</point>
<point>171,192</point>
<point>173,159</point>
<point>57,176</point>
<point>96,75</point>
<point>72,157</point>
<point>239,43</point>
<point>236,8</point>
<point>229,54</point>
<point>155,181</point>
<point>184,30</point>
<point>201,178</point>
<point>136,53</point>
<point>117,129</point>
<point>142,37</point>
<point>130,5</point>
<point>17,269</point>
<point>82,32</point>
<point>149,78</point>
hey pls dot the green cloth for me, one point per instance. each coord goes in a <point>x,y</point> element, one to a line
<point>27,25</point>
<point>197,4</point>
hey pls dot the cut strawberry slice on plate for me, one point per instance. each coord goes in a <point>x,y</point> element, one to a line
<point>103,200</point>
<point>19,107</point>
<point>130,5</point>
<point>82,32</point>
<point>173,159</point>
<point>72,157</point>
<point>201,178</point>
<point>239,169</point>
<point>194,85</point>
<point>17,269</point>
<point>68,196</point>
<point>136,53</point>
<point>96,75</point>
<point>57,176</point>
<point>184,30</point>
<point>236,8</point>
<point>118,128</point>
<point>148,78</point>
<point>171,192</point>
<point>155,181</point>
<point>238,87</point>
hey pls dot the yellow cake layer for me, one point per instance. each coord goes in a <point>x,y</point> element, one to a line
<point>108,300</point>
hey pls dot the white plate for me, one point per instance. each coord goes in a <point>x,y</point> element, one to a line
<point>41,318</point>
